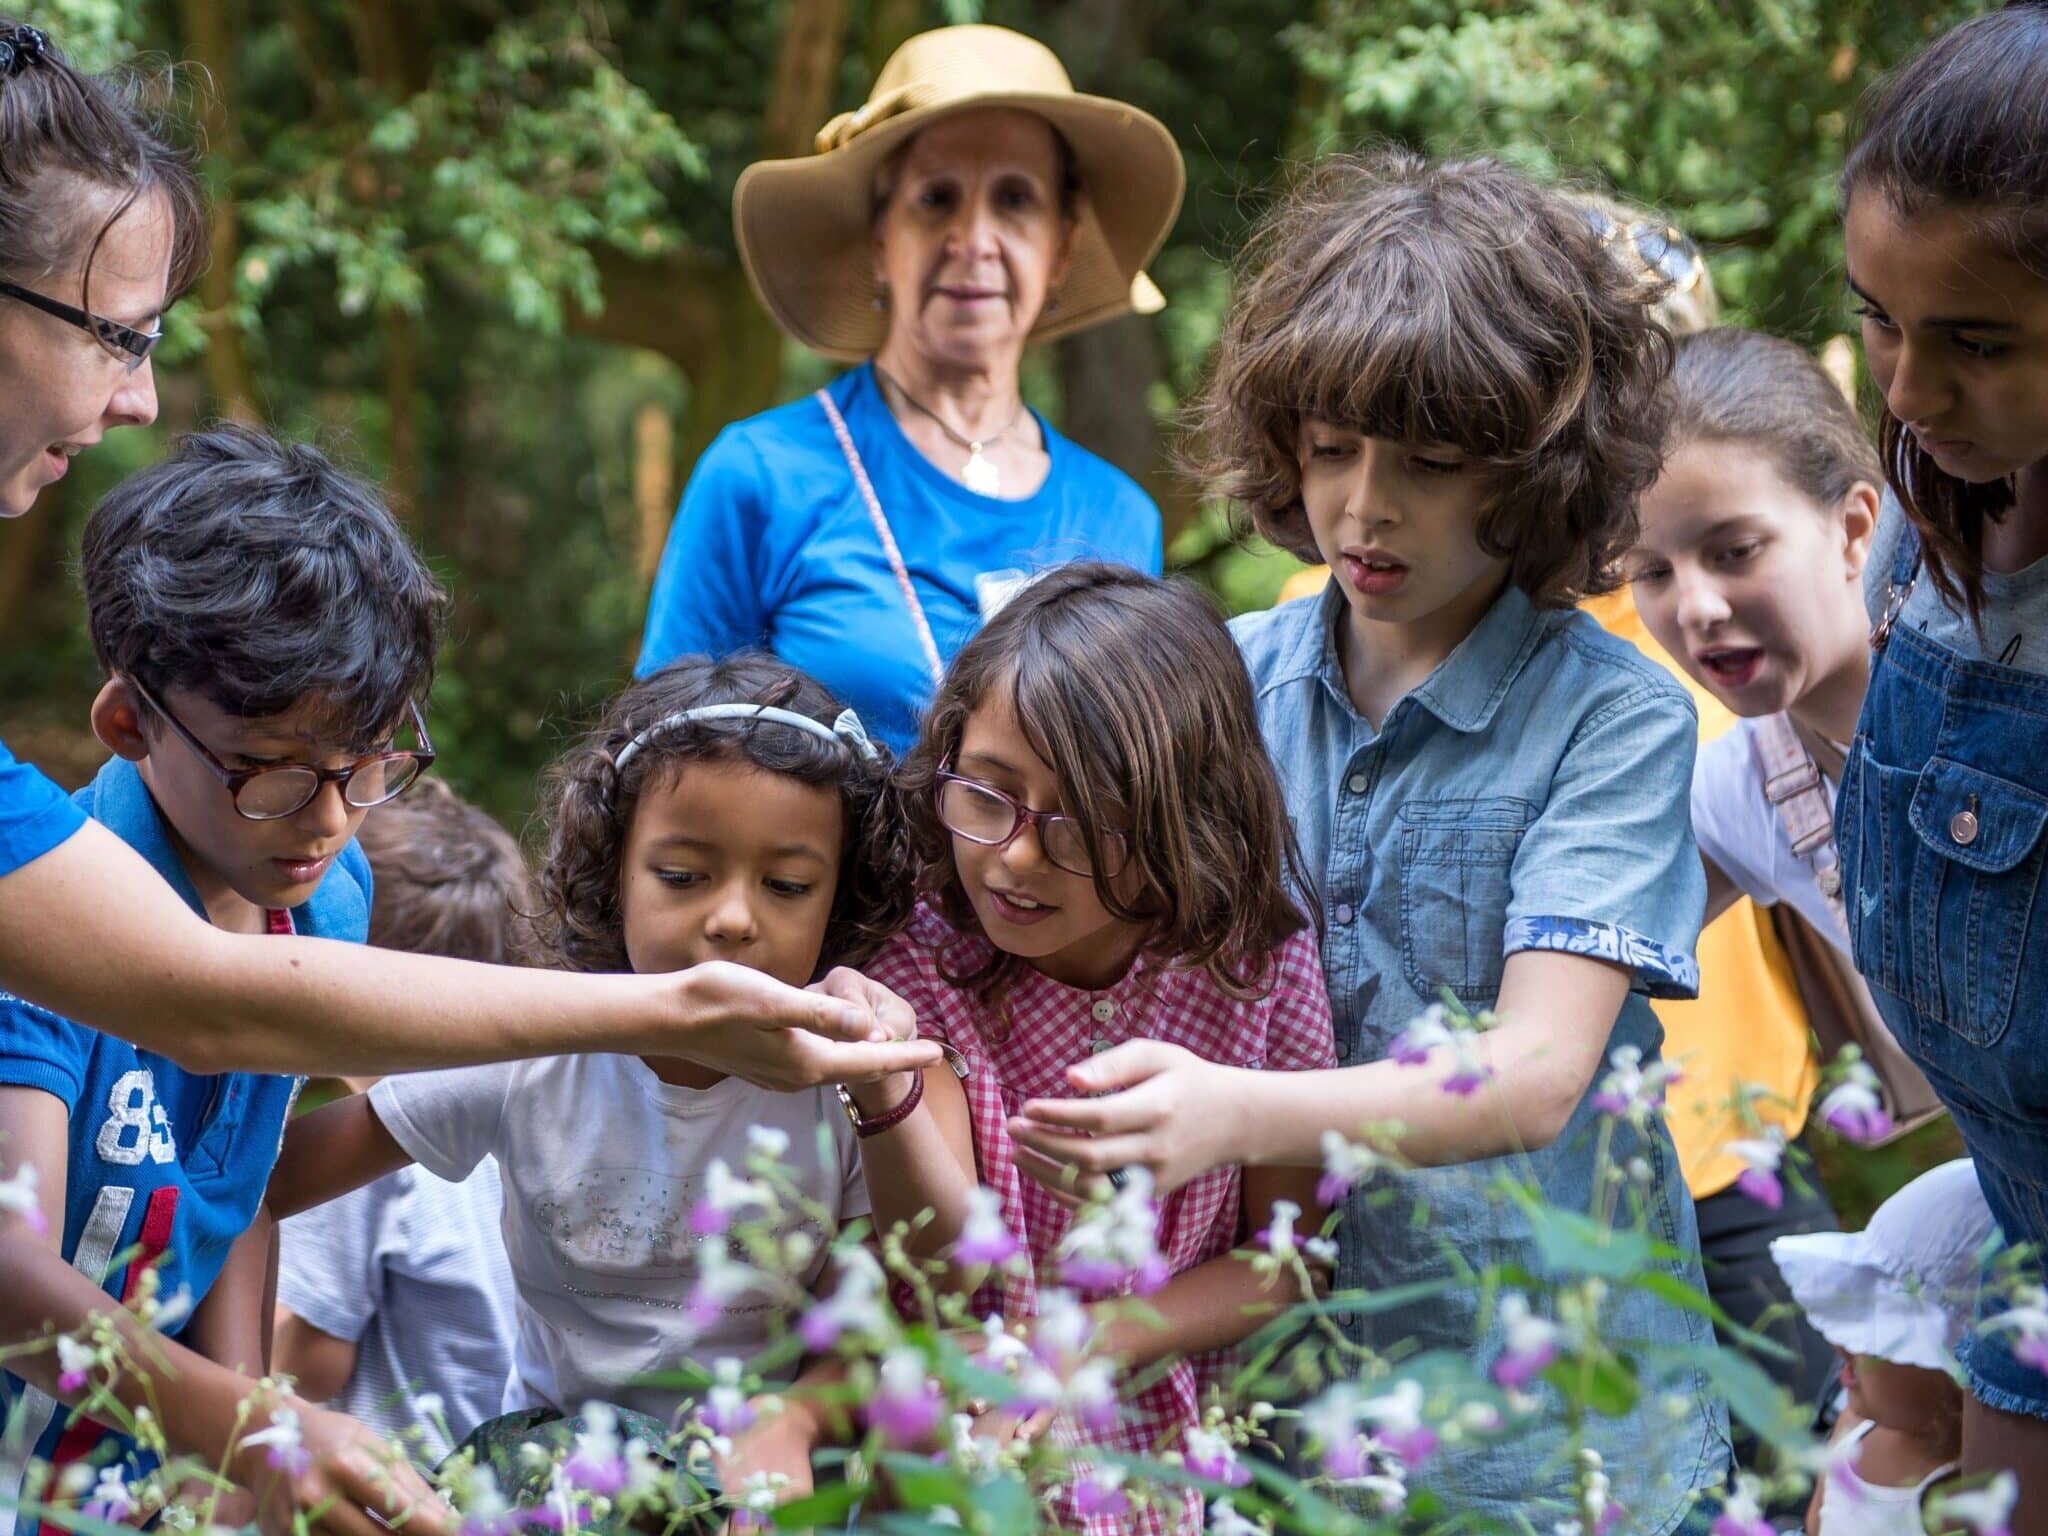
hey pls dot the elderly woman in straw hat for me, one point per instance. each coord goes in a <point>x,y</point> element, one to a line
<point>974,204</point>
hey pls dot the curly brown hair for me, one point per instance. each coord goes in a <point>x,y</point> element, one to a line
<point>590,804</point>
<point>1455,303</point>
<point>449,880</point>
<point>1131,690</point>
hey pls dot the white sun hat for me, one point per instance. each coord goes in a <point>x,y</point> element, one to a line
<point>1903,1288</point>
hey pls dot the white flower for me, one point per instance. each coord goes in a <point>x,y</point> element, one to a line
<point>1985,1511</point>
<point>18,1195</point>
<point>1631,1091</point>
<point>767,1141</point>
<point>1116,1241</point>
<point>1345,1163</point>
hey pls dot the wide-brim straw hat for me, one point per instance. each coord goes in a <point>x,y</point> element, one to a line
<point>804,225</point>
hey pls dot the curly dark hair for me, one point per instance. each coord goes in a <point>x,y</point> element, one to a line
<point>1131,690</point>
<point>589,805</point>
<point>1962,125</point>
<point>1455,303</point>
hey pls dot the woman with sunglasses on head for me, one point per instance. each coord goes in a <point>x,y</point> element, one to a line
<point>101,227</point>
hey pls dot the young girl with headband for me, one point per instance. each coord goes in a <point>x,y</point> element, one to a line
<point>723,810</point>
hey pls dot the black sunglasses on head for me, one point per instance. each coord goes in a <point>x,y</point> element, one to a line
<point>130,345</point>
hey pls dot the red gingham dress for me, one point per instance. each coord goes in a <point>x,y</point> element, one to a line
<point>1052,1026</point>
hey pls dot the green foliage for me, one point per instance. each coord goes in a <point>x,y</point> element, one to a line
<point>1732,119</point>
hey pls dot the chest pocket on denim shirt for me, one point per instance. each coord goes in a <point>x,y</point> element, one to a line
<point>1457,857</point>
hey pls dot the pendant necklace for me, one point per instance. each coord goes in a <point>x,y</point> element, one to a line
<point>979,474</point>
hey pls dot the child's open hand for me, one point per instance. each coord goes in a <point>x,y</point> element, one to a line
<point>336,1473</point>
<point>749,1025</point>
<point>1166,1110</point>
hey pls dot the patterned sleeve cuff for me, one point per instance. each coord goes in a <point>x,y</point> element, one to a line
<point>1659,970</point>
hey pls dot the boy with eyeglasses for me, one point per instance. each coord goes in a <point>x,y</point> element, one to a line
<point>267,632</point>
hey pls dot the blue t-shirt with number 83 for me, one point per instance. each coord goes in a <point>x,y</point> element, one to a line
<point>166,1166</point>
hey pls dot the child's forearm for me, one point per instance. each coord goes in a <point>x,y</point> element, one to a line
<point>337,1148</point>
<point>1211,1306</point>
<point>924,1163</point>
<point>231,1324</point>
<point>197,1401</point>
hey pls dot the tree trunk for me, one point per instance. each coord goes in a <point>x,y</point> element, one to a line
<point>806,70</point>
<point>401,406</point>
<point>654,484</point>
<point>210,41</point>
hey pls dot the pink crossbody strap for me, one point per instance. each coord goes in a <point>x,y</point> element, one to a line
<point>1793,784</point>
<point>874,506</point>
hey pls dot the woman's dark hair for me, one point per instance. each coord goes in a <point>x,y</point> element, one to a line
<point>1963,126</point>
<point>254,572</point>
<point>1454,303</point>
<point>1132,692</point>
<point>1733,385</point>
<point>590,803</point>
<point>66,136</point>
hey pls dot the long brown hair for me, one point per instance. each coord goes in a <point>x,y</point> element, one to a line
<point>1132,691</point>
<point>1963,125</point>
<point>1455,303</point>
<point>62,132</point>
<point>1733,385</point>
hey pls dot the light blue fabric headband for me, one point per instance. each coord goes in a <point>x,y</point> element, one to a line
<point>846,730</point>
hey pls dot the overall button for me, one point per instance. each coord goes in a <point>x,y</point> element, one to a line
<point>1104,1010</point>
<point>1341,912</point>
<point>1356,783</point>
<point>1963,827</point>
<point>1343,1050</point>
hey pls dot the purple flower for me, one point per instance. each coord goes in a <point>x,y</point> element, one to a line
<point>1116,1241</point>
<point>109,1500</point>
<point>1468,1079</point>
<point>1761,1157</point>
<point>985,1242</point>
<point>1424,1033</point>
<point>727,1410</point>
<point>855,1306</point>
<point>18,1194</point>
<point>907,1405</point>
<point>1985,1511</point>
<point>1209,1455</point>
<point>1345,1163</point>
<point>1630,1090</point>
<point>74,1363</point>
<point>724,1197</point>
<point>286,1452</point>
<point>1853,1108</point>
<point>2027,1321</point>
<point>1101,1492</point>
<point>1531,1344</point>
<point>1396,1419</point>
<point>597,1464</point>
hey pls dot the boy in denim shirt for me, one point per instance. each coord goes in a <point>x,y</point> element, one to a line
<point>267,632</point>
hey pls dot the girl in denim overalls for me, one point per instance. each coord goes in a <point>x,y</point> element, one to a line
<point>1942,819</point>
<point>1438,380</point>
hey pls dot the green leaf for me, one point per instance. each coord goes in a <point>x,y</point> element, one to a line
<point>829,1505</point>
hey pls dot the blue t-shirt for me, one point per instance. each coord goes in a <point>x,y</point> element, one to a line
<point>164,1163</point>
<point>35,815</point>
<point>773,547</point>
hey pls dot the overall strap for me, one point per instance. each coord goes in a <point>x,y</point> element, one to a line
<point>1905,571</point>
<point>881,523</point>
<point>1794,785</point>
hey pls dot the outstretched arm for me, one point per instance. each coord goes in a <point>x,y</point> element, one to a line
<point>1178,1115</point>
<point>146,968</point>
<point>338,1147</point>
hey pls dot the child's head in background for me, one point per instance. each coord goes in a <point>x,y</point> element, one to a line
<point>700,821</point>
<point>268,633</point>
<point>449,880</point>
<point>1090,783</point>
<point>1749,563</point>
<point>1896,1298</point>
<point>1436,380</point>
